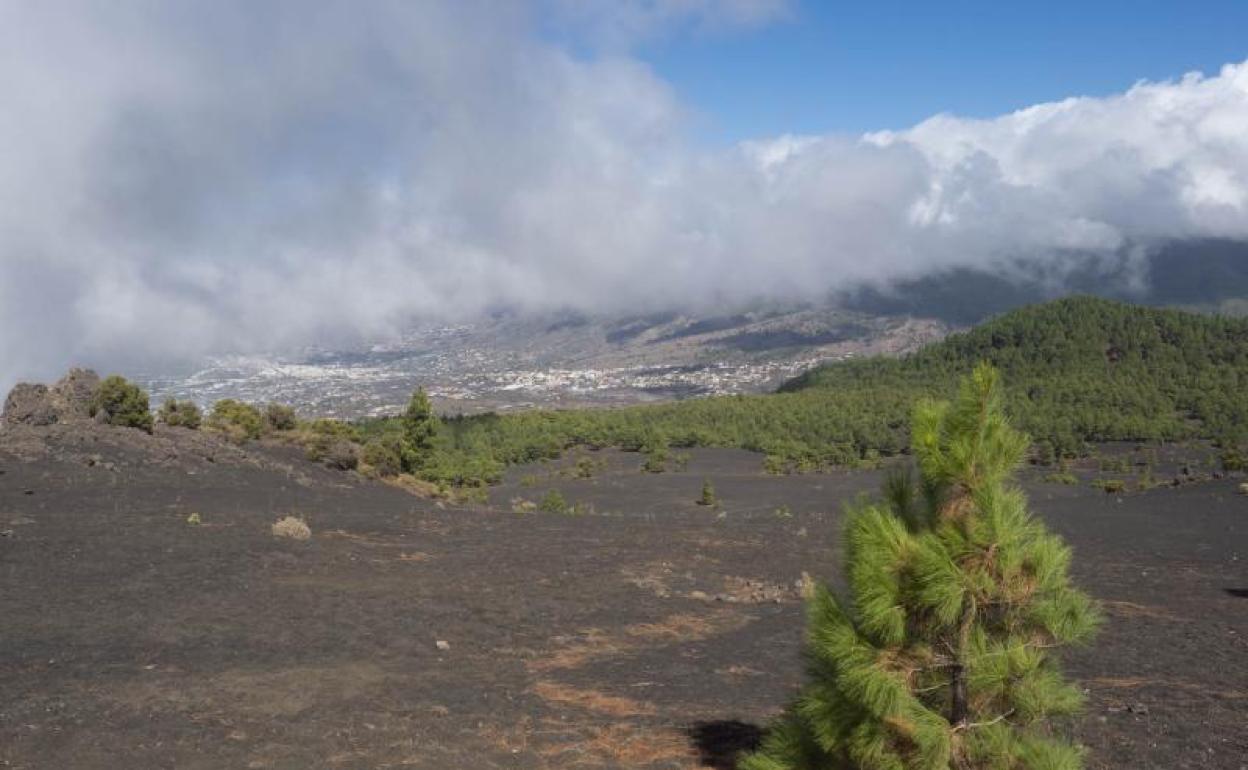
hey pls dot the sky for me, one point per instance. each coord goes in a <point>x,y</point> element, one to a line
<point>824,67</point>
<point>181,178</point>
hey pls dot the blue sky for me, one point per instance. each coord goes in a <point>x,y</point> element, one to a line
<point>851,67</point>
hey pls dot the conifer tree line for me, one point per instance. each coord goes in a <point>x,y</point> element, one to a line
<point>941,653</point>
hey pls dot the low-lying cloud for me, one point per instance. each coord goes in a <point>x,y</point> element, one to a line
<point>184,178</point>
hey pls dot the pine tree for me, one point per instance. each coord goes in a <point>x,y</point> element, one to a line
<point>941,656</point>
<point>420,428</point>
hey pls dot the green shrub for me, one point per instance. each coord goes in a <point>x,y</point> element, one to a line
<point>1062,477</point>
<point>180,414</point>
<point>1118,464</point>
<point>338,429</point>
<point>1233,458</point>
<point>383,455</point>
<point>120,402</point>
<point>554,502</point>
<point>656,451</point>
<point>341,455</point>
<point>1110,486</point>
<point>237,419</point>
<point>707,497</point>
<point>585,468</point>
<point>280,417</point>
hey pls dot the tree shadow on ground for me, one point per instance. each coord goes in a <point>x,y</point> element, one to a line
<point>720,743</point>
<point>1241,593</point>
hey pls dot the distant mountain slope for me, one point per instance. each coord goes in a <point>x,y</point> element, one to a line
<point>1083,368</point>
<point>1209,274</point>
<point>513,361</point>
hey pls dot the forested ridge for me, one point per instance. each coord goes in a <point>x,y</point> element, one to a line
<point>1078,370</point>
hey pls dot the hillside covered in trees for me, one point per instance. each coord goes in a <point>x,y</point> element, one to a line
<point>1078,369</point>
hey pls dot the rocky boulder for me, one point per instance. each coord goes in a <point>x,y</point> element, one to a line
<point>73,394</point>
<point>29,404</point>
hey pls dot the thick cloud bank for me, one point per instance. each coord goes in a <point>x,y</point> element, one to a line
<point>177,178</point>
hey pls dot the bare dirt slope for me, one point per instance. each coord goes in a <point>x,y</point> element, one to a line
<point>650,633</point>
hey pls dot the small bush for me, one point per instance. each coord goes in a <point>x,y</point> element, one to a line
<point>1233,459</point>
<point>383,455</point>
<point>325,426</point>
<point>1111,486</point>
<point>1063,477</point>
<point>585,468</point>
<point>180,414</point>
<point>554,502</point>
<point>121,402</point>
<point>341,455</point>
<point>775,465</point>
<point>707,497</point>
<point>238,420</point>
<point>280,417</point>
<point>1118,464</point>
<point>292,527</point>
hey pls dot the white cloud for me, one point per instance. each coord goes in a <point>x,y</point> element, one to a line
<point>620,24</point>
<point>182,178</point>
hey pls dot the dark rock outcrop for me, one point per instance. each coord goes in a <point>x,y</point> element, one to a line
<point>73,394</point>
<point>29,404</point>
<point>66,401</point>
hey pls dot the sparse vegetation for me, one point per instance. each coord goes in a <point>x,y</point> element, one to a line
<point>521,505</point>
<point>383,456</point>
<point>586,467</point>
<point>280,417</point>
<point>1115,464</point>
<point>180,414</point>
<point>237,420</point>
<point>1061,477</point>
<point>656,451</point>
<point>554,502</point>
<point>941,654</point>
<point>707,497</point>
<point>1110,486</point>
<point>292,527</point>
<point>120,402</point>
<point>341,455</point>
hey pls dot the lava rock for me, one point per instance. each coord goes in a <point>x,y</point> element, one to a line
<point>73,394</point>
<point>29,404</point>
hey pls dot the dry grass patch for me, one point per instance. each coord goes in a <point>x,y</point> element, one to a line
<point>1172,685</point>
<point>292,527</point>
<point>591,700</point>
<point>1133,610</point>
<point>594,643</point>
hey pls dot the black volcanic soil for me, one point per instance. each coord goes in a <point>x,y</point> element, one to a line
<point>648,633</point>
